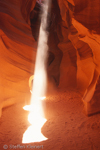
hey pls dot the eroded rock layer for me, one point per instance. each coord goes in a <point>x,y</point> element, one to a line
<point>74,43</point>
<point>17,50</point>
<point>82,19</point>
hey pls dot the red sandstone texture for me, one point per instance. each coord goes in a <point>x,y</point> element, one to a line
<point>77,40</point>
<point>76,35</point>
<point>82,29</point>
<point>17,50</point>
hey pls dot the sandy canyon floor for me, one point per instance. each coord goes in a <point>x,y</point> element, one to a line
<point>67,127</point>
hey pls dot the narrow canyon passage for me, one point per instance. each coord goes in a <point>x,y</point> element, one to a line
<point>72,104</point>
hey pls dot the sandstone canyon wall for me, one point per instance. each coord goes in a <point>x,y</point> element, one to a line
<point>17,50</point>
<point>81,20</point>
<point>74,43</point>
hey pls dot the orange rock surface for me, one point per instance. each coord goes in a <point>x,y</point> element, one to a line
<point>75,34</point>
<point>17,50</point>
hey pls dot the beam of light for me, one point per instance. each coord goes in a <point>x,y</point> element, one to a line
<point>36,115</point>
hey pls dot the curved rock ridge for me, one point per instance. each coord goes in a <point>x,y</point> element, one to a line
<point>81,21</point>
<point>17,50</point>
<point>92,93</point>
<point>74,30</point>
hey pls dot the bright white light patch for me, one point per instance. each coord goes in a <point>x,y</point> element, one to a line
<point>33,133</point>
<point>36,115</point>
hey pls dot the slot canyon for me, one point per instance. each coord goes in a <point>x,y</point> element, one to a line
<point>72,103</point>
